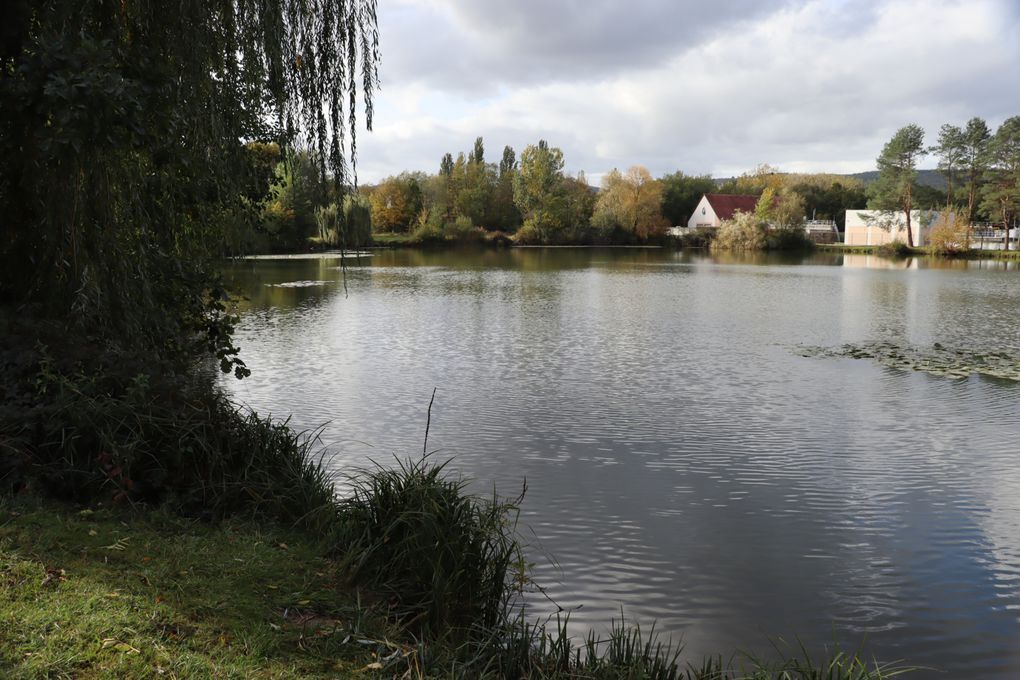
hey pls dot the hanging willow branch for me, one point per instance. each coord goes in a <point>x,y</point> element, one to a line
<point>123,126</point>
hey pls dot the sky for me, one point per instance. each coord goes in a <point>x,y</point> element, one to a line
<point>707,87</point>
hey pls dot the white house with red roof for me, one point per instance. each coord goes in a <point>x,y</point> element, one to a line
<point>713,209</point>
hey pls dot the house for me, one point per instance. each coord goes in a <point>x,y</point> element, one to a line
<point>878,227</point>
<point>713,209</point>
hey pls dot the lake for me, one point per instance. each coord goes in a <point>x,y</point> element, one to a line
<point>684,461</point>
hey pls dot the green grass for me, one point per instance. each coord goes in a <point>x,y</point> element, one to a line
<point>965,255</point>
<point>92,593</point>
<point>393,240</point>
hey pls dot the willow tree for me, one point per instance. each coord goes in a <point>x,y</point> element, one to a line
<point>124,131</point>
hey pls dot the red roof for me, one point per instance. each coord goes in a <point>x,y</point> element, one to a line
<point>725,205</point>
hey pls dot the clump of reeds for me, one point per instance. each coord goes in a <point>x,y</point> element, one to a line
<point>447,561</point>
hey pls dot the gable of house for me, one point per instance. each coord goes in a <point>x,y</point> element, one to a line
<point>713,209</point>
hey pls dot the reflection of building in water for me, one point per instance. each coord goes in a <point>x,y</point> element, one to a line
<point>878,262</point>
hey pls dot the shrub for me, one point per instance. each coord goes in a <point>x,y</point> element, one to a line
<point>788,238</point>
<point>893,249</point>
<point>948,236</point>
<point>744,232</point>
<point>108,426</point>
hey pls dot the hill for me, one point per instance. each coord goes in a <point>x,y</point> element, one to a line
<point>928,178</point>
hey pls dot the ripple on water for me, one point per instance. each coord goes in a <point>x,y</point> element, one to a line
<point>681,463</point>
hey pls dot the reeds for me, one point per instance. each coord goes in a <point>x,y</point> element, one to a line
<point>447,561</point>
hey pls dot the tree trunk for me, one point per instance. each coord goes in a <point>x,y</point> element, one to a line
<point>1005,224</point>
<point>907,205</point>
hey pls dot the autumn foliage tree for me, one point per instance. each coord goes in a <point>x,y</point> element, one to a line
<point>396,203</point>
<point>630,204</point>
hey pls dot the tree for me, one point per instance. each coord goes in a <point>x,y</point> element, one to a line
<point>122,130</point>
<point>681,193</point>
<point>348,225</point>
<point>299,190</point>
<point>508,163</point>
<point>1001,193</point>
<point>538,191</point>
<point>474,197</point>
<point>396,202</point>
<point>446,165</point>
<point>831,198</point>
<point>897,169</point>
<point>629,206</point>
<point>578,206</point>
<point>503,214</point>
<point>478,153</point>
<point>950,150</point>
<point>975,138</point>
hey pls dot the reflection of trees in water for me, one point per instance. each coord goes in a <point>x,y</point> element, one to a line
<point>289,283</point>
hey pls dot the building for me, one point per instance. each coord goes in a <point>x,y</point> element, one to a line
<point>821,231</point>
<point>713,209</point>
<point>878,227</point>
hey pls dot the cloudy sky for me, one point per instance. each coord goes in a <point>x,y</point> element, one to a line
<point>701,86</point>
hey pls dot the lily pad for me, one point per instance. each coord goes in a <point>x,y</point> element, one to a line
<point>948,362</point>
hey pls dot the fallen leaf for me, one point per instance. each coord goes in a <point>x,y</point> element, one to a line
<point>119,646</point>
<point>374,666</point>
<point>54,576</point>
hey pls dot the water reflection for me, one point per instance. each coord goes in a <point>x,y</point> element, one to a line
<point>681,461</point>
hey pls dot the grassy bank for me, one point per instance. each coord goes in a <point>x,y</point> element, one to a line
<point>921,252</point>
<point>92,592</point>
<point>98,592</point>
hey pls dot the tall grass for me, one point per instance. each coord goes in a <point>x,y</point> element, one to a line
<point>131,434</point>
<point>447,562</point>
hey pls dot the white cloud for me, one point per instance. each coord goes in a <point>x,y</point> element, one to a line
<point>808,85</point>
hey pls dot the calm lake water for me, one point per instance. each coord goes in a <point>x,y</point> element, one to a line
<point>682,461</point>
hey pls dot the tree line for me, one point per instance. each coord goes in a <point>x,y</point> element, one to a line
<point>982,172</point>
<point>529,198</point>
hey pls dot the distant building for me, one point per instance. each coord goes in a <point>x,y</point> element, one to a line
<point>713,209</point>
<point>821,231</point>
<point>878,227</point>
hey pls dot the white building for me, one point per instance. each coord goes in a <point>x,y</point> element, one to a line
<point>878,227</point>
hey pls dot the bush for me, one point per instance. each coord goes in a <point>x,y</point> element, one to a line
<point>447,561</point>
<point>788,238</point>
<point>894,249</point>
<point>948,236</point>
<point>103,425</point>
<point>744,232</point>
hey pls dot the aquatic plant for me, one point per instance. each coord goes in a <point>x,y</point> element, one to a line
<point>937,360</point>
